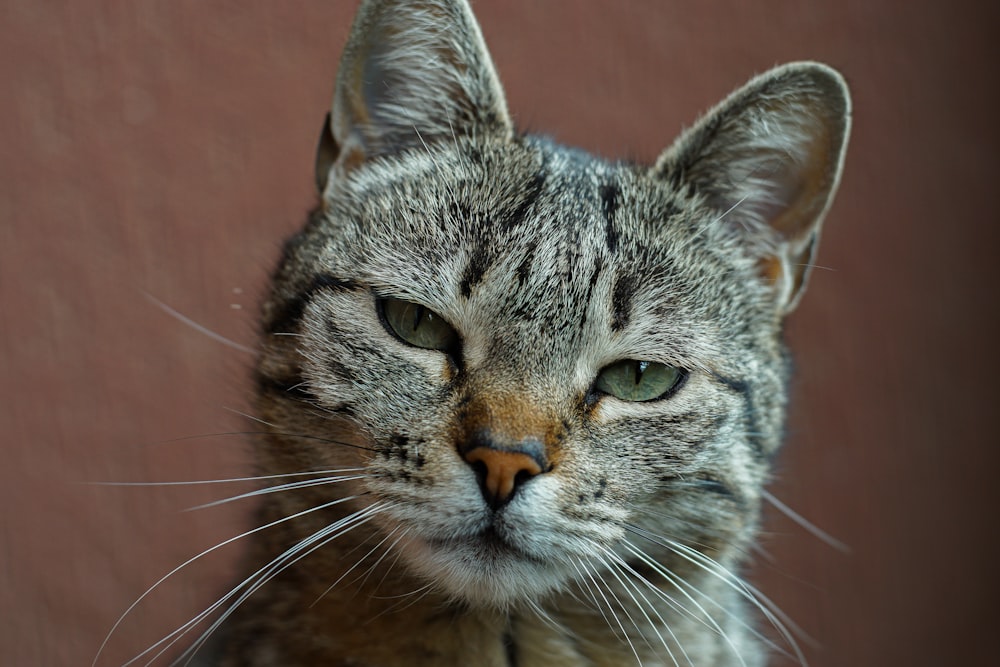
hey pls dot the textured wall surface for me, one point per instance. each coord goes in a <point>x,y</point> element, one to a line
<point>165,148</point>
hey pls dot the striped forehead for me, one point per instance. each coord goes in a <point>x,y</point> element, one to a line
<point>557,275</point>
<point>538,245</point>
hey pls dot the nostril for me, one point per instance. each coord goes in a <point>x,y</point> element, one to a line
<point>479,468</point>
<point>523,476</point>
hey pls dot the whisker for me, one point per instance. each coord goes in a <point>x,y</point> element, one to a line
<point>389,549</point>
<point>620,564</point>
<point>405,600</point>
<point>608,566</point>
<point>197,327</point>
<point>715,568</point>
<point>613,567</point>
<point>262,576</point>
<point>395,561</point>
<point>303,436</point>
<point>809,526</point>
<point>545,617</point>
<point>627,639</point>
<point>706,618</point>
<point>230,540</point>
<point>353,567</point>
<point>228,480</point>
<point>316,541</point>
<point>588,589</point>
<point>778,619</point>
<point>279,488</point>
<point>247,415</point>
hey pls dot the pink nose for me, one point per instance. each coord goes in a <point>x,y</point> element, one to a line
<point>501,471</point>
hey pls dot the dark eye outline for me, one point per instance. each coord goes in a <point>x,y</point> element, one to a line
<point>450,346</point>
<point>681,378</point>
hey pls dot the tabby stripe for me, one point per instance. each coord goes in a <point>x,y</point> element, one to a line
<point>474,271</point>
<point>532,191</point>
<point>510,648</point>
<point>288,316</point>
<point>749,412</point>
<point>621,302</point>
<point>598,265</point>
<point>610,195</point>
<point>478,263</point>
<point>524,268</point>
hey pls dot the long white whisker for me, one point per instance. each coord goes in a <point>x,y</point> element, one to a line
<point>683,585</point>
<point>356,564</point>
<point>706,618</point>
<point>291,556</point>
<point>262,576</point>
<point>712,567</point>
<point>279,488</point>
<point>250,584</point>
<point>613,566</point>
<point>609,567</point>
<point>395,560</point>
<point>230,540</point>
<point>809,526</point>
<point>197,327</point>
<point>671,579</point>
<point>611,609</point>
<point>405,600</point>
<point>545,617</point>
<point>589,591</point>
<point>391,549</point>
<point>619,563</point>
<point>227,480</point>
<point>247,415</point>
<point>778,619</point>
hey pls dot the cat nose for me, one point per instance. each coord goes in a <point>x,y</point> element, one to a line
<point>502,469</point>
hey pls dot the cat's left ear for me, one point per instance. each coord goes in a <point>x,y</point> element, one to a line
<point>413,72</point>
<point>768,160</point>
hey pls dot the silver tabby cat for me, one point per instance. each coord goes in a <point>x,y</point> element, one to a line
<point>526,399</point>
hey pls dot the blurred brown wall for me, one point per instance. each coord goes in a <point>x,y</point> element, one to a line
<point>165,148</point>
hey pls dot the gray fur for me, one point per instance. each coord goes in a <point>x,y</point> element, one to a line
<point>551,265</point>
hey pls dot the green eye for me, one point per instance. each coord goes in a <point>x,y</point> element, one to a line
<point>417,325</point>
<point>632,380</point>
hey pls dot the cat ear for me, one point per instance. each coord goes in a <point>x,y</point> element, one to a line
<point>413,72</point>
<point>768,159</point>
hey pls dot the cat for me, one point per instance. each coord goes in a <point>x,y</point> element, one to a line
<point>520,403</point>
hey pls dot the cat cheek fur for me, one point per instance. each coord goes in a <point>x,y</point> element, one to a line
<point>486,504</point>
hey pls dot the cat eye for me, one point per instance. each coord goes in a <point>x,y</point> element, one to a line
<point>417,325</point>
<point>633,380</point>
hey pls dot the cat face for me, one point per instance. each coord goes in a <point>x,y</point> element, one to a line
<point>539,363</point>
<point>519,253</point>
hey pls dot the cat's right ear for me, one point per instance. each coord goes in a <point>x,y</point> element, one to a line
<point>768,160</point>
<point>413,72</point>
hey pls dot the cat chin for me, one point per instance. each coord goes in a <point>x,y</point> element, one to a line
<point>483,571</point>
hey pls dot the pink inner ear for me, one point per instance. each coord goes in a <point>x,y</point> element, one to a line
<point>785,189</point>
<point>804,191</point>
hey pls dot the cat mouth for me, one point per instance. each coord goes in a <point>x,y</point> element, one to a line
<point>489,544</point>
<point>488,566</point>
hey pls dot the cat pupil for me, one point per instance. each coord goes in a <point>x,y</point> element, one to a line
<point>418,317</point>
<point>640,370</point>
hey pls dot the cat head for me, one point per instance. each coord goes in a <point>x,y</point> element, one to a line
<point>539,361</point>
